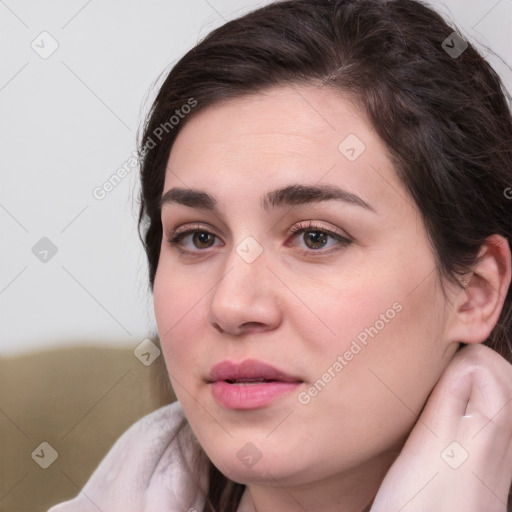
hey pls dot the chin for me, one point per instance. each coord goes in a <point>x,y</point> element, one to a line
<point>261,473</point>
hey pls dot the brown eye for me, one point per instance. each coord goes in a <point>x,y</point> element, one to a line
<point>315,239</point>
<point>194,240</point>
<point>202,239</point>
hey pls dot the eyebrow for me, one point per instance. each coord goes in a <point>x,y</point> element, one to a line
<point>287,196</point>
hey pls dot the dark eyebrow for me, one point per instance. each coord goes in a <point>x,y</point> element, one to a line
<point>301,194</point>
<point>286,196</point>
<point>189,197</point>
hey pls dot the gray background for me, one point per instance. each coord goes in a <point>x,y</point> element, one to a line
<point>69,121</point>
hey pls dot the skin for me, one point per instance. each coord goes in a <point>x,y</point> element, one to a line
<point>299,308</point>
<point>467,422</point>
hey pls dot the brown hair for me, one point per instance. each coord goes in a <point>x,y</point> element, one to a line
<point>444,119</point>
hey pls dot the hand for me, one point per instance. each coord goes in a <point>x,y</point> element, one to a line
<point>458,457</point>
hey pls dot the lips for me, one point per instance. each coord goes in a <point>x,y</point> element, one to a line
<point>248,371</point>
<point>250,384</point>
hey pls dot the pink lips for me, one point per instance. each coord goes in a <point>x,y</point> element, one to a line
<point>250,384</point>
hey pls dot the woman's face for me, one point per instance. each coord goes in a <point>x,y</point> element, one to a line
<point>304,253</point>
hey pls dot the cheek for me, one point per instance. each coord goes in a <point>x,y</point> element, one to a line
<point>392,355</point>
<point>179,314</point>
<point>338,310</point>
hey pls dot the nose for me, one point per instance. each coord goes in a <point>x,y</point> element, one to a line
<point>245,300</point>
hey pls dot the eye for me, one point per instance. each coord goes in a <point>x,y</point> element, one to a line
<point>307,236</point>
<point>193,239</point>
<point>314,238</point>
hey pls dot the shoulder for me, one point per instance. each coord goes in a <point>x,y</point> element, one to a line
<point>156,464</point>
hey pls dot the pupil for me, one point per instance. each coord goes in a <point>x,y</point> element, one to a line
<point>315,239</point>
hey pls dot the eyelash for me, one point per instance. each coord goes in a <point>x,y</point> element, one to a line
<point>175,238</point>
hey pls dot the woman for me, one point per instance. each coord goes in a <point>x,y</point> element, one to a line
<point>325,213</point>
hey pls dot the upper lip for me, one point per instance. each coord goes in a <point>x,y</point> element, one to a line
<point>249,369</point>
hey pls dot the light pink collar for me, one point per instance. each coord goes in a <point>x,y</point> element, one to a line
<point>145,470</point>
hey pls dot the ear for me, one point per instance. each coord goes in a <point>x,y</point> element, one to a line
<point>478,306</point>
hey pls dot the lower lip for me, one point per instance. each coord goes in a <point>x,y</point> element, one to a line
<point>250,396</point>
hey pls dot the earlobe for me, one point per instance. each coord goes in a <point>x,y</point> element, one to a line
<point>478,306</point>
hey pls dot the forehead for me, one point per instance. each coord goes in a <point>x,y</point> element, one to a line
<point>285,120</point>
<point>281,136</point>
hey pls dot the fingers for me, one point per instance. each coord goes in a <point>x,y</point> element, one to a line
<point>483,379</point>
<point>470,413</point>
<point>447,403</point>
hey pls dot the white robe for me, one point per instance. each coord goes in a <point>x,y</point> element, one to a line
<point>145,471</point>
